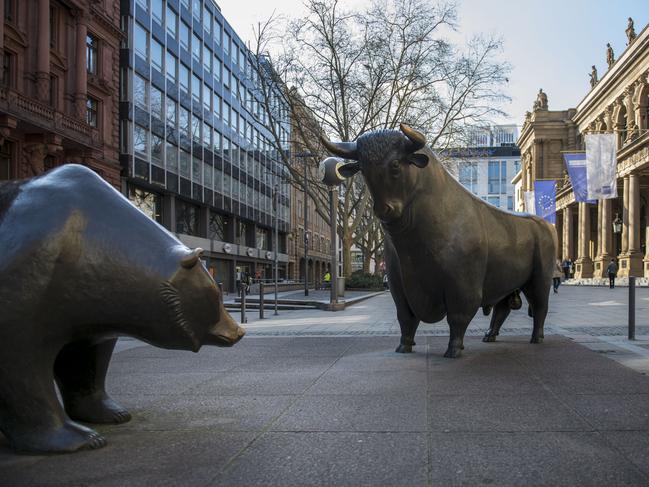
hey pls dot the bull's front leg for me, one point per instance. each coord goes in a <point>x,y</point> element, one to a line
<point>408,324</point>
<point>458,322</point>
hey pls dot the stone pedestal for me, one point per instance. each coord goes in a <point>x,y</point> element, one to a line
<point>631,265</point>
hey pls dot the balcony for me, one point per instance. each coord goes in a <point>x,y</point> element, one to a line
<point>44,116</point>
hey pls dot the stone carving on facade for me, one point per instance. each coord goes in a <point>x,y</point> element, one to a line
<point>610,55</point>
<point>630,32</point>
<point>593,76</point>
<point>541,102</point>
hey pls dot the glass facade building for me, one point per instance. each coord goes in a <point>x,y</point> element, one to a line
<point>196,148</point>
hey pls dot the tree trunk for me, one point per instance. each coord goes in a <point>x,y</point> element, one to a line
<point>347,253</point>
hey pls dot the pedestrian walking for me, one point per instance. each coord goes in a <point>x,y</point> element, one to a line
<point>556,276</point>
<point>611,270</point>
<point>385,281</point>
<point>327,280</point>
<point>565,266</point>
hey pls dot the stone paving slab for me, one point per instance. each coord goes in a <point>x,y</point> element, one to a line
<point>350,411</point>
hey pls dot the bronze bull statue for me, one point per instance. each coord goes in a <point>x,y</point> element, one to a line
<point>81,266</point>
<point>447,252</point>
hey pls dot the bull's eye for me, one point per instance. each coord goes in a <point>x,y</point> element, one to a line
<point>395,168</point>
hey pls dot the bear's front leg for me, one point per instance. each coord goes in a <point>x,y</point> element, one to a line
<point>80,371</point>
<point>31,416</point>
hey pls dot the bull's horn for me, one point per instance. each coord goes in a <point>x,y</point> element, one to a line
<point>191,259</point>
<point>417,139</point>
<point>346,150</point>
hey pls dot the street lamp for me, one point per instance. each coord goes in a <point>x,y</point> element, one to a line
<point>276,246</point>
<point>331,177</point>
<point>617,224</point>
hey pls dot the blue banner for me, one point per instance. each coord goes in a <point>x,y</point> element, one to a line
<point>576,165</point>
<point>545,199</point>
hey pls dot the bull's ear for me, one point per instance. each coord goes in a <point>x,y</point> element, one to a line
<point>419,160</point>
<point>349,169</point>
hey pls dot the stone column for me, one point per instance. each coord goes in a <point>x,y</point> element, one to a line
<point>634,263</point>
<point>43,52</point>
<point>584,267</point>
<point>605,237</point>
<point>81,74</point>
<point>646,255</point>
<point>567,233</point>
<point>625,218</point>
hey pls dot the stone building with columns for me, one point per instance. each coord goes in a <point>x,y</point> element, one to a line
<point>617,103</point>
<point>59,86</point>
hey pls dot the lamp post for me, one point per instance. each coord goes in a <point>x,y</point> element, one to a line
<point>331,177</point>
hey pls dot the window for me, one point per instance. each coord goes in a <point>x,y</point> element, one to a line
<point>171,154</point>
<point>54,90</point>
<point>494,200</point>
<point>144,4</point>
<point>183,122</point>
<point>469,176</point>
<point>157,146</point>
<point>196,48</point>
<point>207,136</point>
<point>196,9</point>
<point>157,55</point>
<point>207,98</point>
<point>184,163</point>
<point>196,129</point>
<point>217,28</point>
<point>226,78</point>
<point>217,227</point>
<point>172,113</point>
<point>156,103</point>
<point>262,239</point>
<point>141,42</point>
<point>196,88</point>
<point>141,141</point>
<point>140,92</point>
<point>91,54</point>
<point>503,177</point>
<point>10,11</point>
<point>186,218</point>
<point>217,105</point>
<point>510,203</point>
<point>494,177</point>
<point>207,20</point>
<point>184,36</point>
<point>172,66</point>
<point>196,170</point>
<point>184,78</point>
<point>172,22</point>
<point>157,11</point>
<point>243,230</point>
<point>226,43</point>
<point>7,69</point>
<point>216,68</point>
<point>54,26</point>
<point>92,110</point>
<point>207,58</point>
<point>147,202</point>
<point>5,159</point>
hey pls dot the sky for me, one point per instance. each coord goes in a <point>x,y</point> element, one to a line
<point>551,44</point>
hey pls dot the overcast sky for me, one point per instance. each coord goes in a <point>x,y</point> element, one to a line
<point>551,44</point>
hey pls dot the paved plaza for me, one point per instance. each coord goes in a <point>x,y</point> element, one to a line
<point>320,398</point>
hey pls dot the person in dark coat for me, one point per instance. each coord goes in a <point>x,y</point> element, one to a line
<point>565,266</point>
<point>611,270</point>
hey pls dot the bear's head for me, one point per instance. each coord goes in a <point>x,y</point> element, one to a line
<point>195,304</point>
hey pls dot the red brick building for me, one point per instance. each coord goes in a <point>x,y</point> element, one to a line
<point>59,86</point>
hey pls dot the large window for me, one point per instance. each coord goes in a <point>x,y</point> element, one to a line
<point>141,42</point>
<point>172,113</point>
<point>196,48</point>
<point>503,177</point>
<point>469,175</point>
<point>207,20</point>
<point>184,163</point>
<point>171,153</point>
<point>217,227</point>
<point>183,74</point>
<point>92,46</point>
<point>172,22</point>
<point>157,11</point>
<point>141,141</point>
<point>262,239</point>
<point>148,203</point>
<point>157,55</point>
<point>141,92</point>
<point>183,122</point>
<point>196,88</point>
<point>92,111</point>
<point>494,177</point>
<point>243,229</point>
<point>186,218</point>
<point>184,35</point>
<point>172,67</point>
<point>156,103</point>
<point>157,146</point>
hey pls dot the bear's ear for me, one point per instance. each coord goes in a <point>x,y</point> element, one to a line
<point>191,259</point>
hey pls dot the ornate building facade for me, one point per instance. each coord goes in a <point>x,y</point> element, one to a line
<point>59,86</point>
<point>617,103</point>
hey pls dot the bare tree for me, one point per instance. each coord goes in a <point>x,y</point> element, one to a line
<point>354,71</point>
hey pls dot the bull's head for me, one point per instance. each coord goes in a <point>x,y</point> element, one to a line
<point>389,163</point>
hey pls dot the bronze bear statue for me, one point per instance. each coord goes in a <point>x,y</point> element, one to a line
<point>81,266</point>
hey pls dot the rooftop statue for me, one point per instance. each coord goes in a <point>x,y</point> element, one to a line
<point>593,77</point>
<point>630,32</point>
<point>541,102</point>
<point>610,55</point>
<point>80,267</point>
<point>448,253</point>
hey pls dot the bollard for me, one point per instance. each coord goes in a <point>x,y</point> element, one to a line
<point>261,300</point>
<point>243,304</point>
<point>631,308</point>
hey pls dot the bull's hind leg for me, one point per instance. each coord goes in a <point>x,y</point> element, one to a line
<point>31,416</point>
<point>80,371</point>
<point>500,314</point>
<point>538,295</point>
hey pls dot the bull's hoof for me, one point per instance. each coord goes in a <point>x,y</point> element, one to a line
<point>453,352</point>
<point>489,338</point>
<point>536,340</point>
<point>404,348</point>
